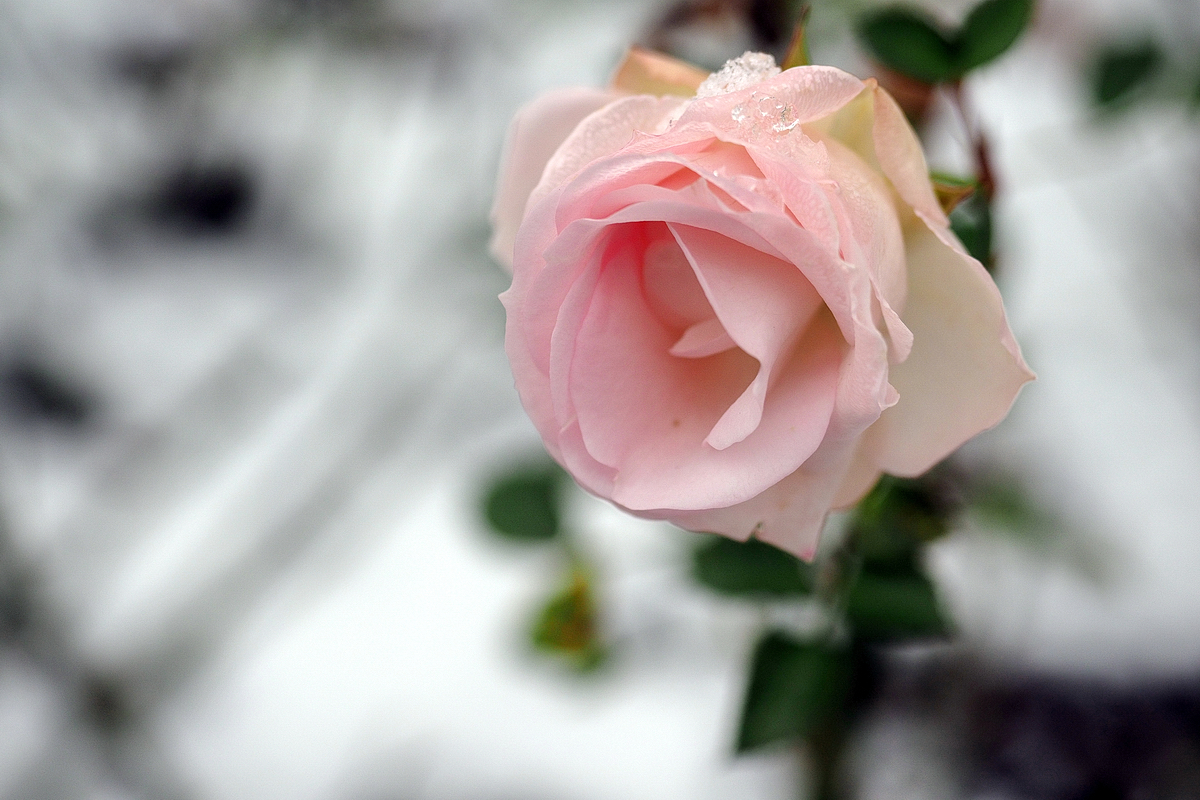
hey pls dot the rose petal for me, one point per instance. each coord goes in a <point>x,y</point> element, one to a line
<point>965,368</point>
<point>602,133</point>
<point>790,515</point>
<point>875,129</point>
<point>703,339</point>
<point>805,196</point>
<point>762,302</point>
<point>671,288</point>
<point>860,477</point>
<point>536,132</point>
<point>864,196</point>
<point>647,413</point>
<point>764,113</point>
<point>588,472</point>
<point>648,72</point>
<point>555,263</point>
<point>863,390</point>
<point>630,394</point>
<point>902,159</point>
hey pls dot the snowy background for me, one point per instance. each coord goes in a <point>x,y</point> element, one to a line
<point>252,383</point>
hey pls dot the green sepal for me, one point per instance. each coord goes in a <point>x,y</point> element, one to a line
<point>971,222</point>
<point>951,190</point>
<point>566,626</point>
<point>898,516</point>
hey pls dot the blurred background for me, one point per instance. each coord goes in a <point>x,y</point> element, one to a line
<point>252,388</point>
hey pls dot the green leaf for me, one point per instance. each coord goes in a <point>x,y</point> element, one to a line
<point>910,44</point>
<point>989,30</point>
<point>915,45</point>
<point>523,506</point>
<point>795,688</point>
<point>1122,69</point>
<point>895,606</point>
<point>971,222</point>
<point>566,626</point>
<point>750,568</point>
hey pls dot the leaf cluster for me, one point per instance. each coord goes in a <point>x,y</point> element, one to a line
<point>912,43</point>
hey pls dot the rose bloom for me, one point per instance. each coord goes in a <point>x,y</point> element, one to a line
<point>735,309</point>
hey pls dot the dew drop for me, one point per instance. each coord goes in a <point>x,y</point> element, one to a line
<point>768,106</point>
<point>786,122</point>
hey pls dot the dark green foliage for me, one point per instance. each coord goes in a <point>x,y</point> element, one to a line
<point>911,44</point>
<point>915,45</point>
<point>890,597</point>
<point>895,605</point>
<point>897,517</point>
<point>990,29</point>
<point>750,568</point>
<point>1121,70</point>
<point>795,689</point>
<point>971,222</point>
<point>523,505</point>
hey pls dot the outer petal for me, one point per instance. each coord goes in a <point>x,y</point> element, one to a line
<point>766,113</point>
<point>874,127</point>
<point>789,515</point>
<point>603,133</point>
<point>535,133</point>
<point>861,474</point>
<point>647,72</point>
<point>965,368</point>
<point>902,159</point>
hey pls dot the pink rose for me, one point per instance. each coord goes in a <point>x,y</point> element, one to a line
<point>735,310</point>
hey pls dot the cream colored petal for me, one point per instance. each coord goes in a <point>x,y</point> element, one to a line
<point>965,368</point>
<point>873,126</point>
<point>902,159</point>
<point>860,477</point>
<point>648,72</point>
